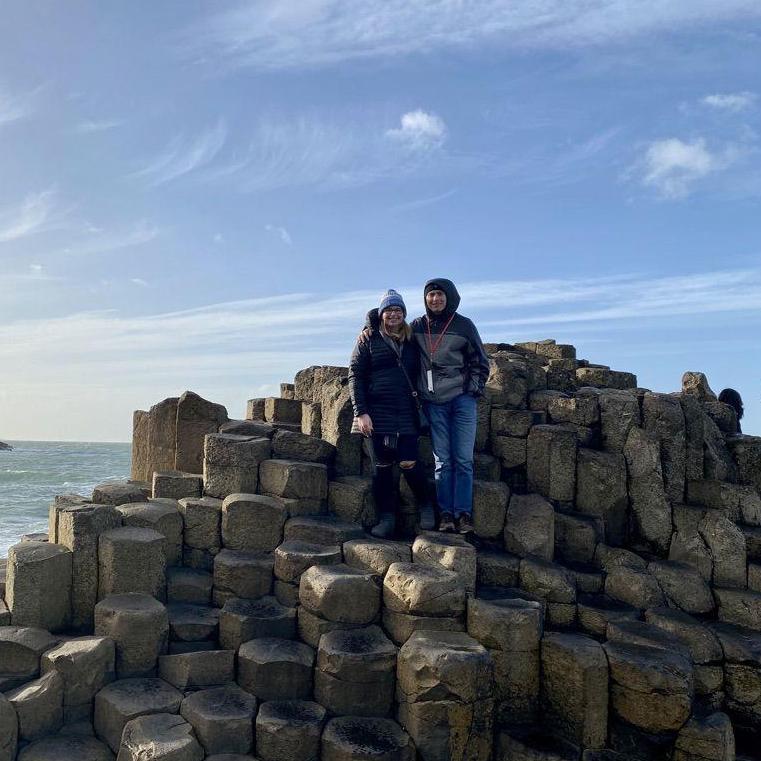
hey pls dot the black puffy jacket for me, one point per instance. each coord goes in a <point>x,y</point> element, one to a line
<point>460,364</point>
<point>378,387</point>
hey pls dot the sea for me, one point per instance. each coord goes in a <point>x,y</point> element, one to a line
<point>33,472</point>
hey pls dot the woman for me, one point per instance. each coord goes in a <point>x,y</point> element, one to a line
<point>382,372</point>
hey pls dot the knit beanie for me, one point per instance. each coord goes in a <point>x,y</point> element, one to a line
<point>391,299</point>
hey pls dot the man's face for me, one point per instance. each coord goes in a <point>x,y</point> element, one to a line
<point>436,301</point>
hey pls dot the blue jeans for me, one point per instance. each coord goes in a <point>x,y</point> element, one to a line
<point>453,436</point>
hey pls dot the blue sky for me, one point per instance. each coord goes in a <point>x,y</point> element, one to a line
<point>210,195</point>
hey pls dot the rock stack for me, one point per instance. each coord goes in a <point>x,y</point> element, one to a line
<point>226,603</point>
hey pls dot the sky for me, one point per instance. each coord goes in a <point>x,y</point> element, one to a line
<point>210,195</point>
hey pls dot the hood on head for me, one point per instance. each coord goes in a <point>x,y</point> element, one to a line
<point>442,284</point>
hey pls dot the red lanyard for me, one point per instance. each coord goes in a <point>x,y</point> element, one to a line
<point>432,347</point>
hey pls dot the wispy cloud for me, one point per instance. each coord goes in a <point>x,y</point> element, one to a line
<point>183,156</point>
<point>673,167</point>
<point>281,233</point>
<point>99,241</point>
<point>88,126</point>
<point>733,102</point>
<point>277,34</point>
<point>14,107</point>
<point>37,212</point>
<point>420,203</point>
<point>139,281</point>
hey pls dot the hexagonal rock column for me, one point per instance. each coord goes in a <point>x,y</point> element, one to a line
<point>375,555</point>
<point>530,526</point>
<point>322,529</point>
<point>223,718</point>
<point>139,626</point>
<point>163,517</point>
<point>39,706</point>
<point>702,643</point>
<point>337,594</point>
<point>160,736</point>
<point>293,479</point>
<point>61,747</point>
<point>511,630</point>
<point>292,558</point>
<point>120,492</point>
<point>447,551</point>
<point>706,737</point>
<point>78,529</point>
<point>131,560</point>
<point>650,510</point>
<point>194,670</point>
<point>126,699</point>
<point>20,650</point>
<point>8,730</point>
<point>38,585</point>
<point>575,688</point>
<point>86,664</point>
<point>418,596</point>
<point>242,574</point>
<point>444,687</point>
<point>231,463</point>
<point>176,484</point>
<point>601,490</point>
<point>291,445</point>
<point>489,507</point>
<point>551,462</point>
<point>195,418</point>
<point>201,537</point>
<point>351,499</point>
<point>276,669</point>
<point>651,688</point>
<point>356,672</point>
<point>352,738</point>
<point>289,730</point>
<point>252,522</point>
<point>242,620</point>
<point>188,585</point>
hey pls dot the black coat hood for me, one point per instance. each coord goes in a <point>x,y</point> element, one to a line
<point>453,297</point>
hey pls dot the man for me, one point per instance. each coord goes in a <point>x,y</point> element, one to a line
<point>453,372</point>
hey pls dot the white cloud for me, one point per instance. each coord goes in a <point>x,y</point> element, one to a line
<point>89,126</point>
<point>36,267</point>
<point>276,34</point>
<point>672,166</point>
<point>37,212</point>
<point>281,233</point>
<point>734,102</point>
<point>139,281</point>
<point>420,130</point>
<point>183,156</point>
<point>100,241</point>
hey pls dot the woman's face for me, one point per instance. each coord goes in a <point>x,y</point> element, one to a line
<point>392,319</point>
<point>436,301</point>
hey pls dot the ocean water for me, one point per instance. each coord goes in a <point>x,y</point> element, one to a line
<point>35,471</point>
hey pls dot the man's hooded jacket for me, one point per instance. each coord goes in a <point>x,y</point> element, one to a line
<point>457,358</point>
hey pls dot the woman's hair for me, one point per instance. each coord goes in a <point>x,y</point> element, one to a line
<point>405,330</point>
<point>733,399</point>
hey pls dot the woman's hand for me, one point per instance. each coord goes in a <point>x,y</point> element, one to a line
<point>365,424</point>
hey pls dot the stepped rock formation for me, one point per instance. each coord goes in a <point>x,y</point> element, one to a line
<point>227,602</point>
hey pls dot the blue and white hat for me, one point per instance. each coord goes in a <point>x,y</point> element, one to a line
<point>391,298</point>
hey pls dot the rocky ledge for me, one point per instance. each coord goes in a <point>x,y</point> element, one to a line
<point>3,446</point>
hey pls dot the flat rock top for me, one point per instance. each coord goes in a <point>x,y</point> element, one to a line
<point>230,701</point>
<point>66,747</point>
<point>442,643</point>
<point>267,649</point>
<point>132,534</point>
<point>29,637</point>
<point>131,602</point>
<point>290,712</point>
<point>367,735</point>
<point>141,692</point>
<point>36,552</point>
<point>264,607</point>
<point>150,511</point>
<point>369,640</point>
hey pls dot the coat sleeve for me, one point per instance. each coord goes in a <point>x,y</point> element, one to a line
<point>359,377</point>
<point>372,321</point>
<point>477,362</point>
